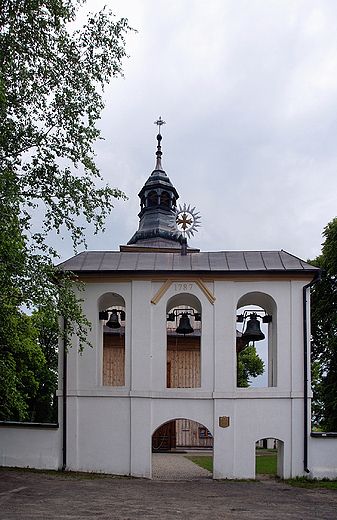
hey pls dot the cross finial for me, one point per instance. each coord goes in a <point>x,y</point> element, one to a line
<point>159,122</point>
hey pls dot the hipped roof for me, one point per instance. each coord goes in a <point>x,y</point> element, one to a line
<point>217,261</point>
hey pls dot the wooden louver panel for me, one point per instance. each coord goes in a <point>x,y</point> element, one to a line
<point>113,361</point>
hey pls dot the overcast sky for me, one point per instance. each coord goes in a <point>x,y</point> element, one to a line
<point>248,89</point>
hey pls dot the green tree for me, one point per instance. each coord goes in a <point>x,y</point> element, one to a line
<point>21,361</point>
<point>43,406</point>
<point>249,365</point>
<point>52,80</point>
<point>324,334</point>
<point>51,83</point>
<point>28,366</point>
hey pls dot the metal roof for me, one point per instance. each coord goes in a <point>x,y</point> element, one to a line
<point>211,262</point>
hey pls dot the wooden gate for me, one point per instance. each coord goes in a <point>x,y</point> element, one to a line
<point>164,439</point>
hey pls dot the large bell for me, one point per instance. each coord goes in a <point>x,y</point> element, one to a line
<point>113,322</point>
<point>253,331</point>
<point>184,325</point>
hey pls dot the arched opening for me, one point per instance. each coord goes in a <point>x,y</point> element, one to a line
<point>256,341</point>
<point>165,199</point>
<point>183,342</point>
<point>152,199</point>
<point>182,448</point>
<point>112,317</point>
<point>269,455</point>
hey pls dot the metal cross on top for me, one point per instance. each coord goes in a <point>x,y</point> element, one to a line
<point>160,122</point>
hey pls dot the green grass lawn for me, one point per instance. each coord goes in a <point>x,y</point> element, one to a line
<point>266,462</point>
<point>311,483</point>
<point>203,462</point>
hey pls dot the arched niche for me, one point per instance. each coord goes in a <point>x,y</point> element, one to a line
<point>183,352</point>
<point>266,304</point>
<point>113,365</point>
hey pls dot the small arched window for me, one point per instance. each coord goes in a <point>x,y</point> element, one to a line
<point>165,199</point>
<point>152,199</point>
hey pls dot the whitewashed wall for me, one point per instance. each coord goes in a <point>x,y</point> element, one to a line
<point>30,447</point>
<point>109,429</point>
<point>323,457</point>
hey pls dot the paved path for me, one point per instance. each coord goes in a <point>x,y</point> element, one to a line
<point>175,466</point>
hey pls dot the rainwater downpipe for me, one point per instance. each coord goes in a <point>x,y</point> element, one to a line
<point>64,398</point>
<point>306,368</point>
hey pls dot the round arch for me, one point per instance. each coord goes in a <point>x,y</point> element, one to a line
<point>188,299</point>
<point>280,453</point>
<point>180,434</point>
<point>261,299</point>
<point>110,299</point>
<point>177,418</point>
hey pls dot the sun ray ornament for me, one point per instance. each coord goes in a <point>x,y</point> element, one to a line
<point>186,220</point>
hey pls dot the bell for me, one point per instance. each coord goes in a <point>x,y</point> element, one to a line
<point>113,322</point>
<point>253,331</point>
<point>184,325</point>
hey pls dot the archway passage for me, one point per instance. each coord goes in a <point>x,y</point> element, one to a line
<point>164,438</point>
<point>182,449</point>
<point>269,457</point>
<point>182,434</point>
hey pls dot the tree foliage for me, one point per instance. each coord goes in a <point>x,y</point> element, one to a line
<point>52,80</point>
<point>28,366</point>
<point>249,365</point>
<point>51,84</point>
<point>43,407</point>
<point>324,333</point>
